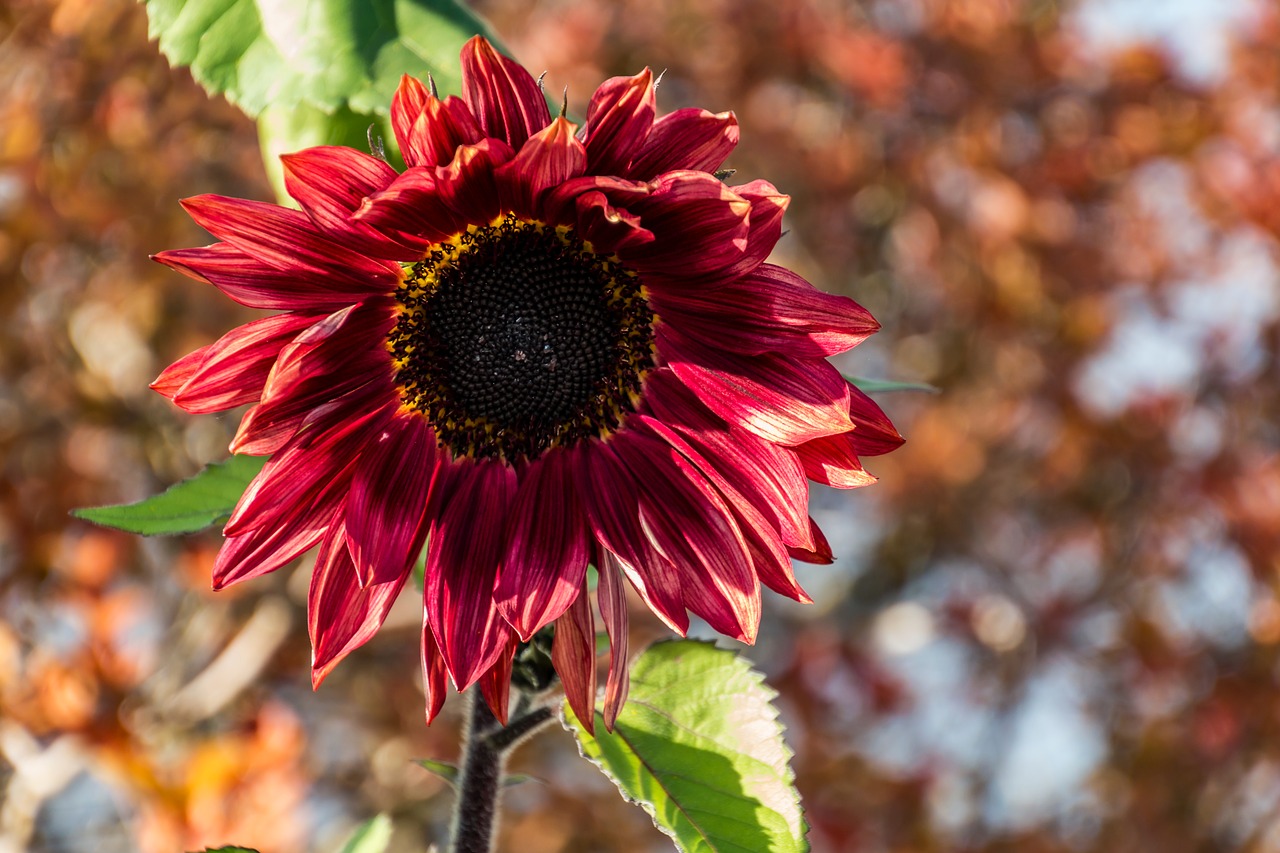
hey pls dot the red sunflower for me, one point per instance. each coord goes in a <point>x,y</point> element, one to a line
<point>538,348</point>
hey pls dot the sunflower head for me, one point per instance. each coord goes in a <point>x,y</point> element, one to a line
<point>541,346</point>
<point>515,337</point>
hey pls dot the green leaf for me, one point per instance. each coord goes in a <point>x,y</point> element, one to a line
<point>698,745</point>
<point>372,836</point>
<point>194,504</point>
<point>449,773</point>
<point>872,386</point>
<point>329,54</point>
<point>446,771</point>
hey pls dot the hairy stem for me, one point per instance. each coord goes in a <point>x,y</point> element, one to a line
<point>485,747</point>
<point>475,815</point>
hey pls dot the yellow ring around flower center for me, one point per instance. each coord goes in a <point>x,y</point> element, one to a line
<point>515,337</point>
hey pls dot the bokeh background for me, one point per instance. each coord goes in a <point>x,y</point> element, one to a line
<point>1053,624</point>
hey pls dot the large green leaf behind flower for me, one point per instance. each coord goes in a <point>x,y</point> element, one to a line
<point>314,72</point>
<point>698,745</point>
<point>323,53</point>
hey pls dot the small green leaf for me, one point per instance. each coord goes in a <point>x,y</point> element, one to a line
<point>873,386</point>
<point>443,769</point>
<point>450,773</point>
<point>372,836</point>
<point>699,747</point>
<point>329,54</point>
<point>513,779</point>
<point>194,504</point>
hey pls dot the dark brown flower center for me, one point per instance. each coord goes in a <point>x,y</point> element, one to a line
<point>516,337</point>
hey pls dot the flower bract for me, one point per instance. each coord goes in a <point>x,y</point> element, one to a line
<point>540,347</point>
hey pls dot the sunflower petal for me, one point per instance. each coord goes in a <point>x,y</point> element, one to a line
<point>386,507</point>
<point>687,523</point>
<point>462,566</point>
<point>257,285</point>
<point>495,685</point>
<point>685,139</point>
<point>546,552</point>
<point>609,495</point>
<point>341,614</point>
<point>502,94</point>
<point>331,182</point>
<point>233,370</point>
<point>433,673</point>
<point>573,653</point>
<point>613,612</point>
<point>618,121</point>
<point>550,157</point>
<point>781,400</point>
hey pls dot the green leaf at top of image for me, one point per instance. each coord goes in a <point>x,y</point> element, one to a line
<point>698,745</point>
<point>872,386</point>
<point>372,836</point>
<point>326,53</point>
<point>194,504</point>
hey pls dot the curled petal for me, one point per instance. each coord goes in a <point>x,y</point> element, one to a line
<point>443,126</point>
<point>767,207</point>
<point>433,674</point>
<point>427,128</point>
<point>468,184</point>
<point>618,121</point>
<point>701,227</point>
<point>833,461</point>
<point>613,611</point>
<point>495,685</point>
<point>341,614</point>
<point>560,205</point>
<point>406,105</point>
<point>598,207</point>
<point>573,653</point>
<point>820,553</point>
<point>690,139</point>
<point>502,94</point>
<point>412,211</point>
<point>875,434</point>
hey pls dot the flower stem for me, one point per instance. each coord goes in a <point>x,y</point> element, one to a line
<point>486,744</point>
